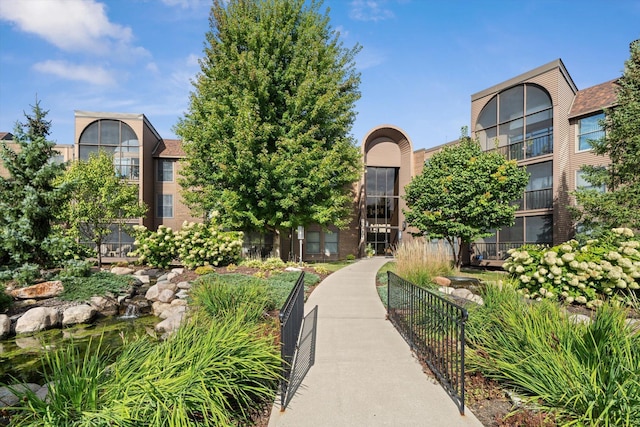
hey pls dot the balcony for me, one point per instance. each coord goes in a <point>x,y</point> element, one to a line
<point>531,148</point>
<point>536,199</point>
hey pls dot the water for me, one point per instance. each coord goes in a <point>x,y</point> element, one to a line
<point>21,356</point>
<point>132,312</point>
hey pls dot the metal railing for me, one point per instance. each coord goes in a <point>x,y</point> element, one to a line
<point>536,199</point>
<point>297,349</point>
<point>532,147</point>
<point>495,251</point>
<point>434,328</point>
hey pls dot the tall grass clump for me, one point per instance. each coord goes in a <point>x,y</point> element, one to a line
<point>419,261</point>
<point>76,378</point>
<point>207,373</point>
<point>222,296</point>
<point>587,373</point>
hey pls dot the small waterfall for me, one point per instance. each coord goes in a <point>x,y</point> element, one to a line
<point>131,312</point>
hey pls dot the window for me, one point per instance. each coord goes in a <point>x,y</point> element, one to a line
<point>589,129</point>
<point>165,206</point>
<point>118,140</point>
<point>583,184</point>
<point>313,242</point>
<point>539,191</point>
<point>330,243</point>
<point>521,119</point>
<point>165,170</point>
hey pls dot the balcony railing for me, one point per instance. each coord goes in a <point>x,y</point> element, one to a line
<point>533,147</point>
<point>536,199</point>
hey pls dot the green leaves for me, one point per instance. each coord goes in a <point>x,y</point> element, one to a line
<point>618,207</point>
<point>464,193</point>
<point>266,134</point>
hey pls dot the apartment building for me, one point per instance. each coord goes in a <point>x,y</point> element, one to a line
<point>538,118</point>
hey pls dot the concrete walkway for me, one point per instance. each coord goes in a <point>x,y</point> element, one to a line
<point>364,374</point>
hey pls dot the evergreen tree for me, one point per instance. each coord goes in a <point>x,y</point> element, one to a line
<point>266,135</point>
<point>620,205</point>
<point>464,194</point>
<point>99,199</point>
<point>29,199</point>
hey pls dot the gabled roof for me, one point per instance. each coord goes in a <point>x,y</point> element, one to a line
<point>169,148</point>
<point>594,99</point>
<point>6,136</point>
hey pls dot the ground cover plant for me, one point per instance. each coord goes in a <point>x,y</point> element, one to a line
<point>589,274</point>
<point>587,374</point>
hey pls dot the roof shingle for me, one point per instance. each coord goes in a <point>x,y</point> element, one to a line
<point>171,148</point>
<point>594,98</point>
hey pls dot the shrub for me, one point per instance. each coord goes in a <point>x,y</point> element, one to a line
<point>61,248</point>
<point>204,269</point>
<point>97,284</point>
<point>272,263</point>
<point>351,257</point>
<point>24,275</point>
<point>605,268</point>
<point>5,299</point>
<point>154,248</point>
<point>588,374</point>
<point>75,268</point>
<point>199,244</point>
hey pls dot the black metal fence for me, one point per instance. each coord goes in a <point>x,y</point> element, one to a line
<point>297,349</point>
<point>434,328</point>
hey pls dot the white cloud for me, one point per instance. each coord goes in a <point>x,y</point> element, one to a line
<point>65,70</point>
<point>370,10</point>
<point>152,67</point>
<point>71,25</point>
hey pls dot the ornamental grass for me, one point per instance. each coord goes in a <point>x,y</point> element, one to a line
<point>419,261</point>
<point>587,373</point>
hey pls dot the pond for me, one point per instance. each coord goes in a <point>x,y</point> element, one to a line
<point>21,356</point>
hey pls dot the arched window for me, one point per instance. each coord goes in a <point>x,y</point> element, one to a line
<point>518,121</point>
<point>116,138</point>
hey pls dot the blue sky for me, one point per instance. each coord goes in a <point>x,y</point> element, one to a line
<point>421,60</point>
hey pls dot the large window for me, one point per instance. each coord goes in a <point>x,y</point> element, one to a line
<point>536,229</point>
<point>539,191</point>
<point>583,184</point>
<point>589,129</point>
<point>382,209</point>
<point>165,206</point>
<point>165,170</point>
<point>520,120</point>
<point>118,140</point>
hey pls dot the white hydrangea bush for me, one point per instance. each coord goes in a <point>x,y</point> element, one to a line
<point>154,248</point>
<point>587,274</point>
<point>199,244</point>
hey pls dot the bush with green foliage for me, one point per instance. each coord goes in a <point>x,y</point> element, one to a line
<point>97,284</point>
<point>5,299</point>
<point>588,374</point>
<point>201,244</point>
<point>601,269</point>
<point>154,248</point>
<point>24,275</point>
<point>75,268</point>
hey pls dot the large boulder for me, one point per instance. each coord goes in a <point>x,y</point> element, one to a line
<point>5,326</point>
<point>152,293</point>
<point>172,311</point>
<point>166,295</point>
<point>170,324</point>
<point>158,307</point>
<point>41,290</point>
<point>83,313</point>
<point>106,306</point>
<point>8,398</point>
<point>166,285</point>
<point>38,319</point>
<point>121,271</point>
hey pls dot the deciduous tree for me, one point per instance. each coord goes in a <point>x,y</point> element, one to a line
<point>619,206</point>
<point>266,135</point>
<point>463,194</point>
<point>99,200</point>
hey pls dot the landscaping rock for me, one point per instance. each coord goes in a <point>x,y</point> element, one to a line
<point>442,281</point>
<point>78,314</point>
<point>152,293</point>
<point>158,307</point>
<point>172,275</point>
<point>121,271</point>
<point>167,285</point>
<point>447,290</point>
<point>170,324</point>
<point>5,326</point>
<point>28,343</point>
<point>177,271</point>
<point>292,269</point>
<point>172,311</point>
<point>41,290</point>
<point>38,319</point>
<point>7,398</point>
<point>166,295</point>
<point>182,294</point>
<point>144,280</point>
<point>106,306</point>
<point>184,285</point>
<point>580,318</point>
<point>462,293</point>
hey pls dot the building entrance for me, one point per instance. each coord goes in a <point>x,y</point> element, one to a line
<point>382,209</point>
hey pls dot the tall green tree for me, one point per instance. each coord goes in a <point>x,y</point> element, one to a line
<point>99,200</point>
<point>620,204</point>
<point>266,136</point>
<point>29,198</point>
<point>463,194</point>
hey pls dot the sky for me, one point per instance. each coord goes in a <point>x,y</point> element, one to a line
<point>420,60</point>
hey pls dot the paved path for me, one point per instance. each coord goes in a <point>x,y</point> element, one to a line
<point>364,374</point>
